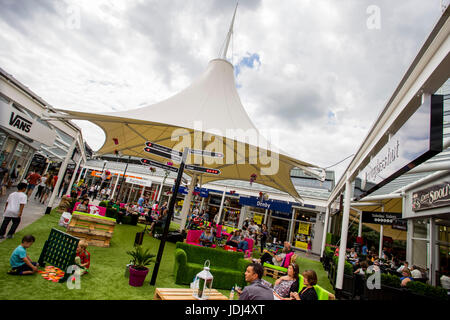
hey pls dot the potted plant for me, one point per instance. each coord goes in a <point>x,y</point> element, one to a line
<point>139,262</point>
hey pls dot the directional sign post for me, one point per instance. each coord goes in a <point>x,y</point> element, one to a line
<point>159,165</point>
<point>169,217</point>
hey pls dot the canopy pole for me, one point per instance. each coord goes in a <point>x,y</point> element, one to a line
<point>115,185</point>
<point>230,32</point>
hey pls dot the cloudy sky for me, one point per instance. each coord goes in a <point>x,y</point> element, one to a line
<point>316,71</point>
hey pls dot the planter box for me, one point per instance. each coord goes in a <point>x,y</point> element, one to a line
<point>395,294</point>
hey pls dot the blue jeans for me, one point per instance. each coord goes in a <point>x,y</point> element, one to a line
<point>243,245</point>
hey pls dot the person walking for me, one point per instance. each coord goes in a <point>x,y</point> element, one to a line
<point>13,210</point>
<point>33,179</point>
<point>41,187</point>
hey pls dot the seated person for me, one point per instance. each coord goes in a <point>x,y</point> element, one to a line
<point>352,256</point>
<point>160,222</point>
<point>206,238</point>
<point>243,244</point>
<point>406,277</point>
<point>416,273</point>
<point>21,263</point>
<point>362,268</point>
<point>83,258</point>
<point>234,239</point>
<point>308,293</point>
<point>287,284</point>
<point>256,290</point>
<point>276,260</point>
<point>83,206</point>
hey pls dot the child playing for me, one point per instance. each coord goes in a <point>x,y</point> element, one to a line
<point>83,258</point>
<point>21,263</point>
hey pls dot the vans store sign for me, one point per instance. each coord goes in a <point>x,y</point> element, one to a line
<point>21,123</point>
<point>433,197</point>
<point>417,140</point>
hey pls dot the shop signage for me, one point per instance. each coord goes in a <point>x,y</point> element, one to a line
<point>380,217</point>
<point>400,224</point>
<point>140,182</point>
<point>204,193</point>
<point>303,228</point>
<point>417,140</point>
<point>433,197</point>
<point>19,122</point>
<point>280,206</point>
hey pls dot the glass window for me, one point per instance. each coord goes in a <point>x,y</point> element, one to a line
<point>420,229</point>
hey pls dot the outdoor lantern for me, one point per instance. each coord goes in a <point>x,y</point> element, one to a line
<point>204,281</point>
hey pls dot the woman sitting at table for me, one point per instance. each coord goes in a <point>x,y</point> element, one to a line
<point>234,239</point>
<point>287,284</point>
<point>83,206</point>
<point>206,238</point>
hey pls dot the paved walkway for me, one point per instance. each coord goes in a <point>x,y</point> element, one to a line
<point>33,209</point>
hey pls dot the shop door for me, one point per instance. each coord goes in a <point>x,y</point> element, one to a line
<point>279,229</point>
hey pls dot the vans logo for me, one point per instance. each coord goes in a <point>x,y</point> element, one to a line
<point>20,122</point>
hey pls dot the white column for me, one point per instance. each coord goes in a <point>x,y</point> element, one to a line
<point>115,185</point>
<point>344,231</point>
<point>201,204</point>
<point>265,216</point>
<point>160,190</point>
<point>325,227</point>
<point>409,241</point>
<point>72,180</point>
<point>431,263</point>
<point>46,168</point>
<point>143,190</point>
<point>79,175</point>
<point>242,216</point>
<point>85,174</point>
<point>221,206</point>
<point>187,202</point>
<point>129,193</point>
<point>380,249</point>
<point>291,227</point>
<point>61,172</point>
<point>360,224</point>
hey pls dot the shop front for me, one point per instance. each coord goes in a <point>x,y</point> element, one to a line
<point>427,210</point>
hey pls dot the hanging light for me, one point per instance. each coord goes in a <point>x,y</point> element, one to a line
<point>204,280</point>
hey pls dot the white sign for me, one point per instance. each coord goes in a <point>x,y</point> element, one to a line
<point>140,182</point>
<point>19,122</point>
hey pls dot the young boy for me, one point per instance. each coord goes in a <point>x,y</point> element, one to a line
<point>83,258</point>
<point>13,210</point>
<point>21,263</point>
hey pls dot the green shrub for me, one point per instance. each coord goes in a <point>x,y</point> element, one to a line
<point>348,267</point>
<point>329,252</point>
<point>390,280</point>
<point>103,204</point>
<point>111,213</point>
<point>424,289</point>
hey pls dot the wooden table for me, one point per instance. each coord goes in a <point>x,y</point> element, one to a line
<point>184,294</point>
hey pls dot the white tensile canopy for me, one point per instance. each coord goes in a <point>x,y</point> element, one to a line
<point>206,115</point>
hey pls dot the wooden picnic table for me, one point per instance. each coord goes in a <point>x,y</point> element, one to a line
<point>184,294</point>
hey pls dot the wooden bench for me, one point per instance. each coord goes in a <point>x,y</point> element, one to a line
<point>184,294</point>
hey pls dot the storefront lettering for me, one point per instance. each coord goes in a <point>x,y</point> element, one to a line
<point>433,197</point>
<point>390,157</point>
<point>20,122</point>
<point>263,204</point>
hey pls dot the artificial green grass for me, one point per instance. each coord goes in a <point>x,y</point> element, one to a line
<point>106,279</point>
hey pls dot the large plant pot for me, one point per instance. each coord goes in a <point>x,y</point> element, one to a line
<point>137,277</point>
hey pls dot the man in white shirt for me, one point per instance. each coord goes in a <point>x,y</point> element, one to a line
<point>13,210</point>
<point>405,265</point>
<point>415,272</point>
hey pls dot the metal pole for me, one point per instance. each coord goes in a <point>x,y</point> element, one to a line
<point>79,175</point>
<point>291,227</point>
<point>61,173</point>
<point>325,227</point>
<point>360,224</point>
<point>129,193</point>
<point>168,218</point>
<point>344,231</point>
